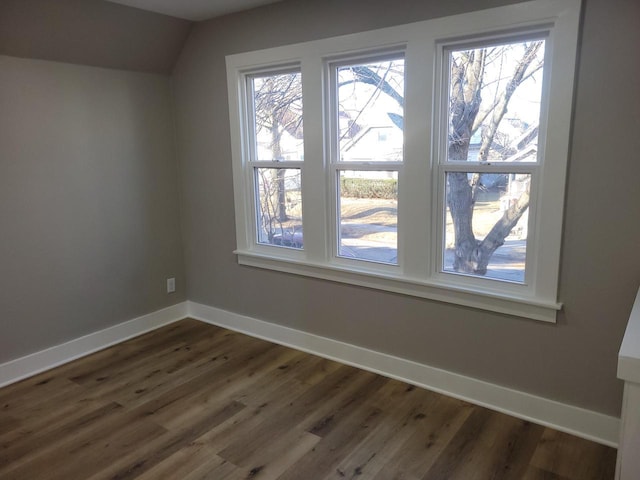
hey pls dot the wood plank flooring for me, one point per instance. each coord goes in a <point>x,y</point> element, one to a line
<point>192,401</point>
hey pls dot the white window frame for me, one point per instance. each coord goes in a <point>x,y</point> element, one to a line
<point>444,166</point>
<point>337,165</point>
<point>252,161</point>
<point>421,176</point>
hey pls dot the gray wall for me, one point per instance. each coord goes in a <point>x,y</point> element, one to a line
<point>573,361</point>
<point>89,226</point>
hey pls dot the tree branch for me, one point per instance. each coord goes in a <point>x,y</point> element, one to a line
<point>503,102</point>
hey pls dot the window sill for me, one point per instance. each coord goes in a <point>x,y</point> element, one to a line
<point>532,308</point>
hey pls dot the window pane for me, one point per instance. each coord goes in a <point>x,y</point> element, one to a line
<point>277,106</point>
<point>494,102</point>
<point>486,225</point>
<point>371,111</point>
<point>369,216</point>
<point>279,207</point>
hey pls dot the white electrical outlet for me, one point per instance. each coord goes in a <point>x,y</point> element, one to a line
<point>171,285</point>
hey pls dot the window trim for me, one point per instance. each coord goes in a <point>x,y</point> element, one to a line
<point>444,165</point>
<point>422,44</point>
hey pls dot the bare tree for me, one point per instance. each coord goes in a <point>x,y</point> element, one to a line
<point>467,85</point>
<point>468,114</point>
<point>278,232</point>
<point>278,109</point>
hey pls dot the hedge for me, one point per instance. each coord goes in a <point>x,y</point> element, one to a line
<point>367,188</point>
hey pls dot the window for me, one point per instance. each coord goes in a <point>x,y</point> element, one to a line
<point>431,163</point>
<point>490,155</point>
<point>275,155</point>
<point>368,101</point>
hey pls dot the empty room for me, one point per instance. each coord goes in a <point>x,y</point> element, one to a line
<point>319,239</point>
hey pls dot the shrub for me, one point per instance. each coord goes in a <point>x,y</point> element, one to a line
<point>367,188</point>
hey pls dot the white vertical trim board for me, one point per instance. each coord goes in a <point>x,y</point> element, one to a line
<point>628,462</point>
<point>567,418</point>
<point>43,360</point>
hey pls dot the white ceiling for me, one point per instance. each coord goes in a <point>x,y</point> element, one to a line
<point>194,9</point>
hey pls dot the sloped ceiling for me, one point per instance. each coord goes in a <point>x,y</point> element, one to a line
<point>91,32</point>
<point>194,9</point>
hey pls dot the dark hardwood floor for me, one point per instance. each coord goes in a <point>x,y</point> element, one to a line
<point>192,401</point>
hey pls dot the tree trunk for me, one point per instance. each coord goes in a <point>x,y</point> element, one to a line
<point>466,99</point>
<point>276,151</point>
<point>282,198</point>
<point>471,255</point>
<point>500,231</point>
<point>461,207</point>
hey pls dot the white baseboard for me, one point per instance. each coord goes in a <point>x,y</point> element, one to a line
<point>574,420</point>
<point>567,418</point>
<point>29,365</point>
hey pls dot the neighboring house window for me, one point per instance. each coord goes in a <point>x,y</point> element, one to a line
<point>432,161</point>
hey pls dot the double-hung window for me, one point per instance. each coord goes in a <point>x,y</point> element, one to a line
<point>432,160</point>
<point>275,154</point>
<point>367,154</point>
